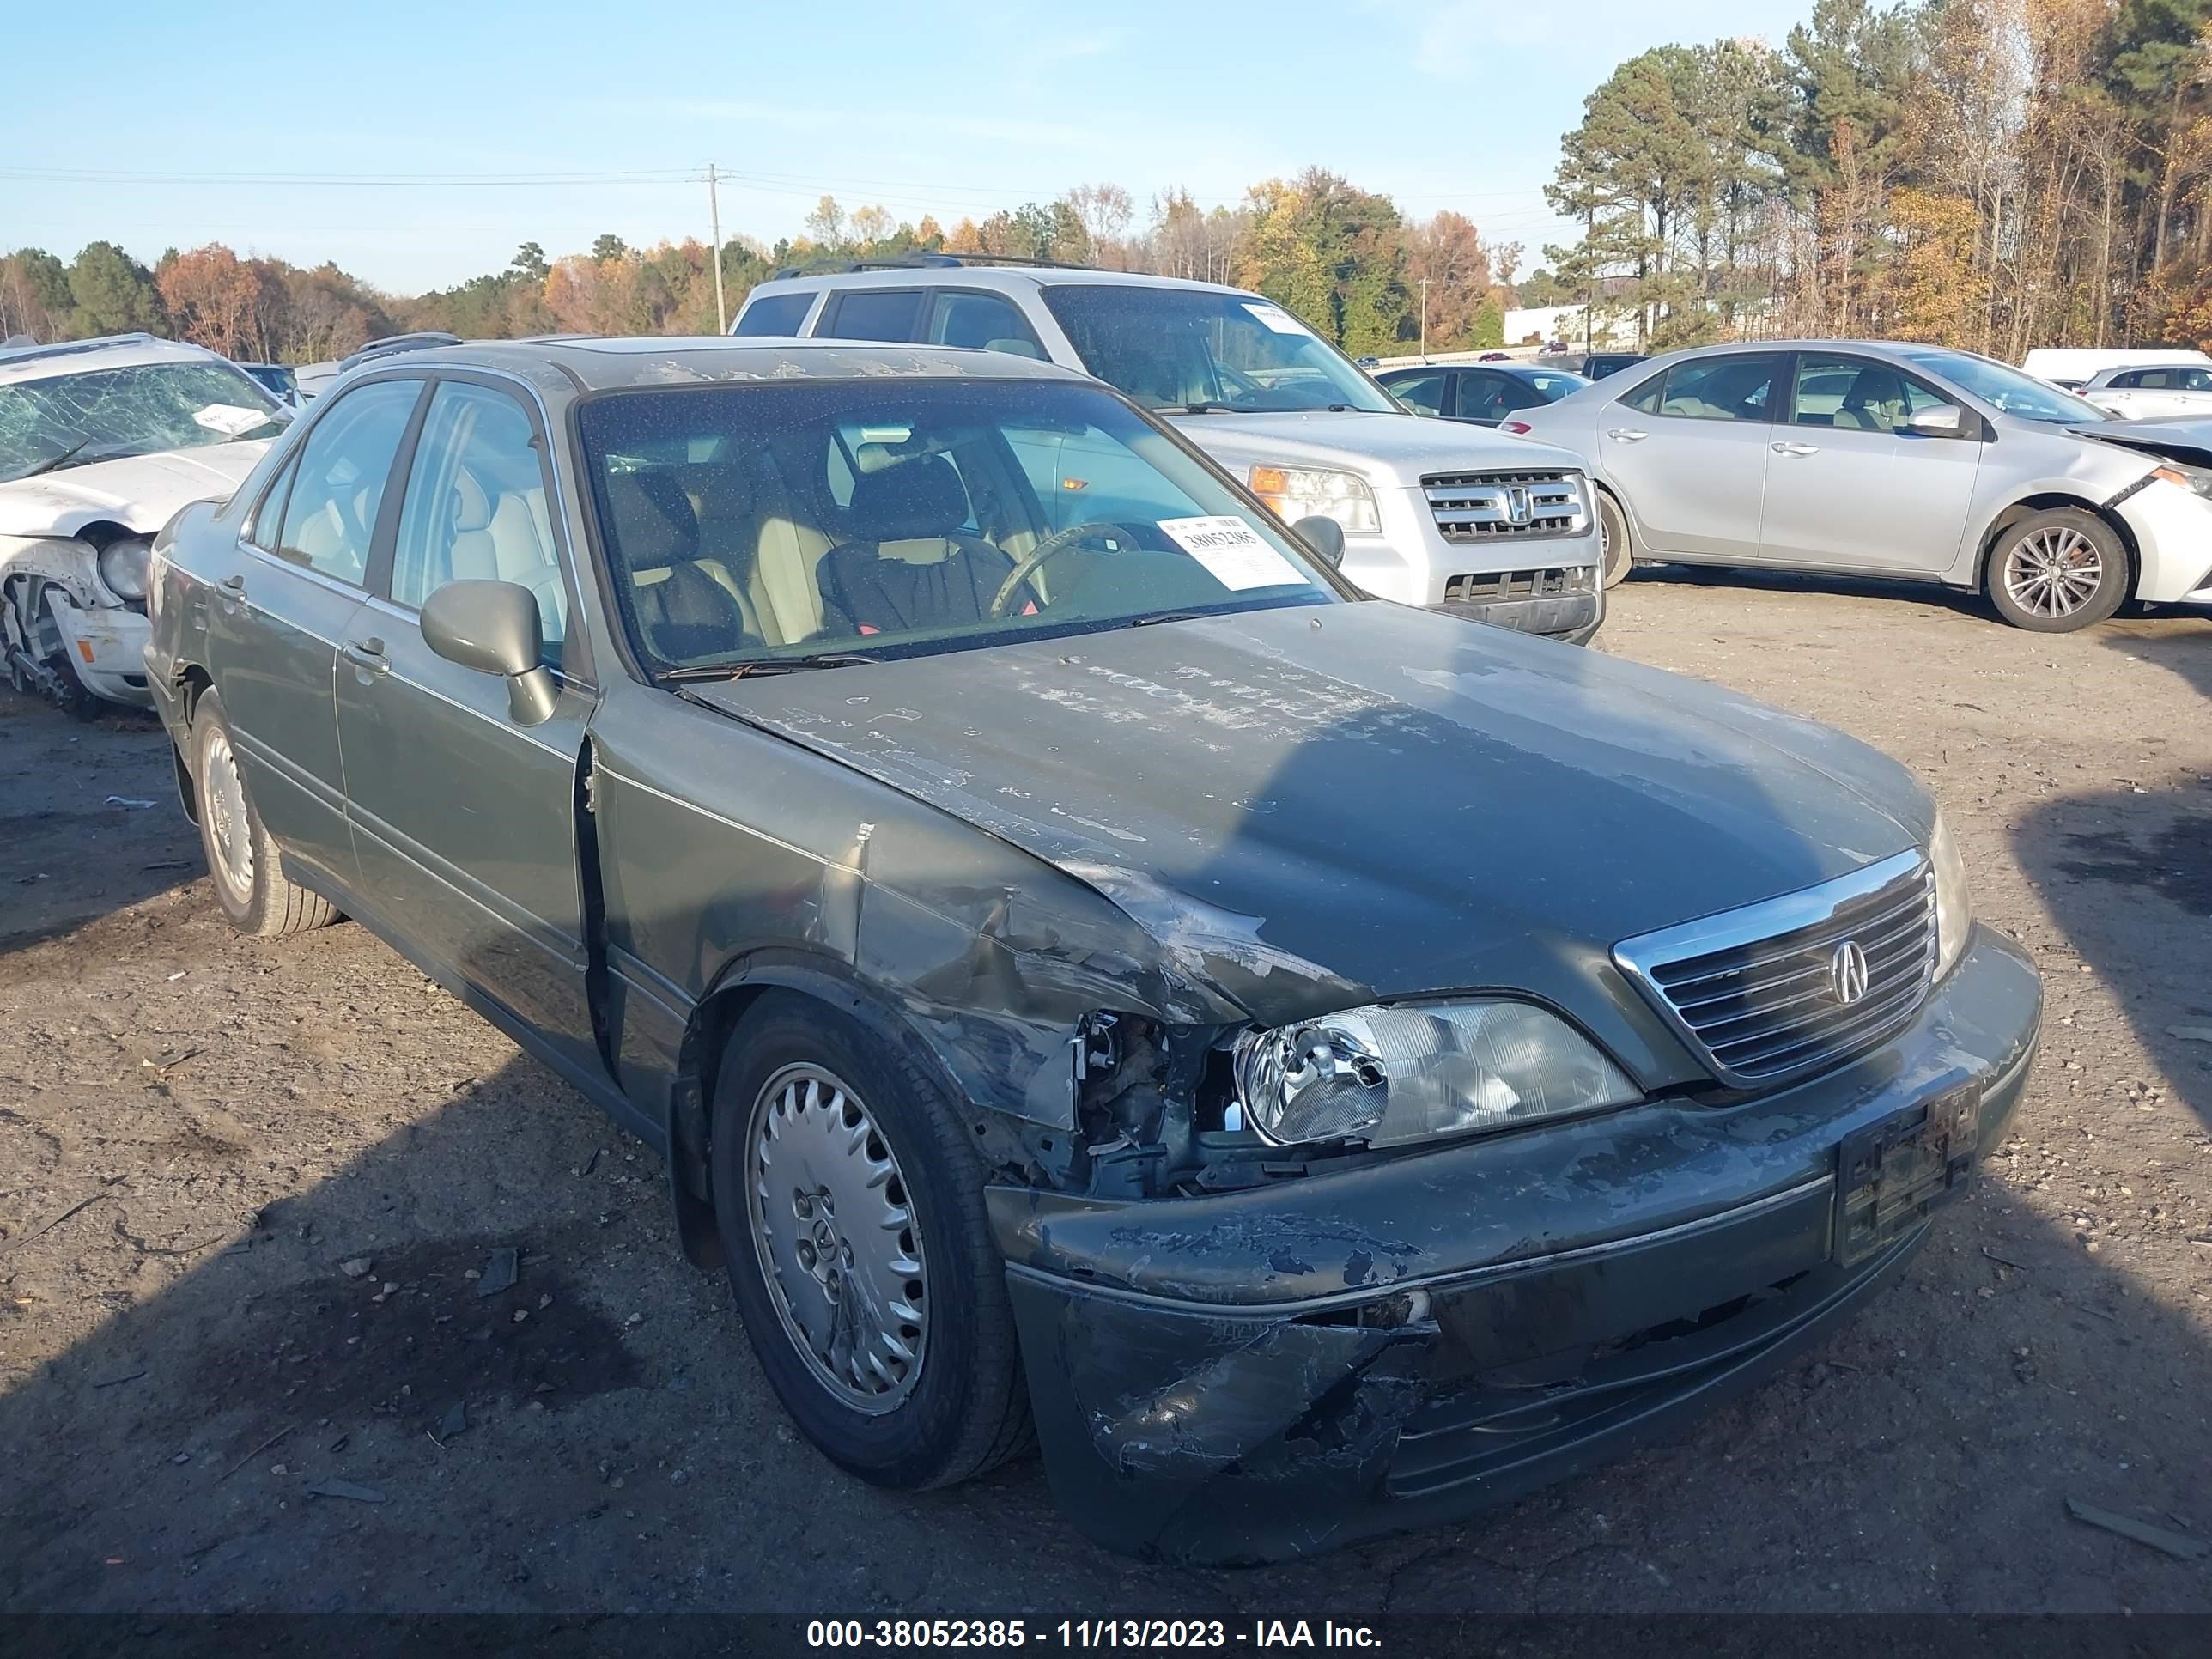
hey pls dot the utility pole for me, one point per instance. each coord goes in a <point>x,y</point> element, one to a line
<point>1590,230</point>
<point>1425,319</point>
<point>714,217</point>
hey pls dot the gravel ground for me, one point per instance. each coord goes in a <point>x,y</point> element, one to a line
<point>245,1191</point>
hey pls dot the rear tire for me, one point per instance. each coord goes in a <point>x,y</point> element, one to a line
<point>248,879</point>
<point>2056,571</point>
<point>813,1114</point>
<point>1617,556</point>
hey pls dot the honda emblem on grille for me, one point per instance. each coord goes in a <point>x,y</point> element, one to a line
<point>1516,503</point>
<point>1847,972</point>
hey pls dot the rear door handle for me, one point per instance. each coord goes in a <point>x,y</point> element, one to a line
<point>366,654</point>
<point>1625,435</point>
<point>1796,449</point>
<point>234,584</point>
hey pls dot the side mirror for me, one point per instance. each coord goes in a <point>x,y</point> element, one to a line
<point>1324,538</point>
<point>493,627</point>
<point>1942,421</point>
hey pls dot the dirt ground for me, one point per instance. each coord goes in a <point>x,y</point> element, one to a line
<point>247,1190</point>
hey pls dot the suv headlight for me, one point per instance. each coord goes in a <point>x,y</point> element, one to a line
<point>1955,905</point>
<point>124,564</point>
<point>1303,492</point>
<point>1411,1071</point>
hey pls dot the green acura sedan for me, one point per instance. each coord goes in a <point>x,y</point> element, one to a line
<point>1313,1065</point>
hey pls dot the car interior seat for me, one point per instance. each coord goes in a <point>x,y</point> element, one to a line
<point>911,563</point>
<point>683,611</point>
<point>508,538</point>
<point>1876,402</point>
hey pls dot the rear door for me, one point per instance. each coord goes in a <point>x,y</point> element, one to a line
<point>276,625</point>
<point>465,821</point>
<point>1688,449</point>
<point>1850,487</point>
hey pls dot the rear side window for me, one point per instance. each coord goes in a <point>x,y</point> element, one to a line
<point>338,487</point>
<point>1645,398</point>
<point>1732,388</point>
<point>874,315</point>
<point>981,322</point>
<point>775,314</point>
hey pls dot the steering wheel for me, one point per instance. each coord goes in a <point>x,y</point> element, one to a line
<point>1050,548</point>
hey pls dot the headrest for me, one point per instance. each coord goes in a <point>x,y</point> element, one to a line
<point>917,498</point>
<point>653,524</point>
<point>471,507</point>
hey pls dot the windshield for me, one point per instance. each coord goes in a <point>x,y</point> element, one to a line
<point>772,527</point>
<point>73,420</point>
<point>2012,389</point>
<point>1191,349</point>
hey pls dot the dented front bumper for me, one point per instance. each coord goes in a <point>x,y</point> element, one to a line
<point>105,645</point>
<point>1255,1375</point>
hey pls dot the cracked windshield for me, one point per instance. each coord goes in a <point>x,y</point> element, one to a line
<point>73,420</point>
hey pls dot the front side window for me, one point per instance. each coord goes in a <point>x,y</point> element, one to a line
<point>981,322</point>
<point>1205,352</point>
<point>774,315</point>
<point>1422,393</point>
<point>2195,380</point>
<point>338,484</point>
<point>899,520</point>
<point>1856,394</point>
<point>1731,388</point>
<point>869,313</point>
<point>140,409</point>
<point>475,509</point>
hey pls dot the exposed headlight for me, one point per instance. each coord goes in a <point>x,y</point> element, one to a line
<point>2189,478</point>
<point>1304,492</point>
<point>1411,1071</point>
<point>1955,905</point>
<point>124,564</point>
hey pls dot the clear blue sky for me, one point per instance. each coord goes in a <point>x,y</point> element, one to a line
<point>950,106</point>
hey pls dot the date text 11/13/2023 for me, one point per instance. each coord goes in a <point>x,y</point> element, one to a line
<point>1087,1634</point>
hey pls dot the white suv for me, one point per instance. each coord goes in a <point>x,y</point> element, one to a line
<point>1433,513</point>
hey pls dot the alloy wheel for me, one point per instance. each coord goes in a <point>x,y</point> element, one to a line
<point>835,1230</point>
<point>2053,572</point>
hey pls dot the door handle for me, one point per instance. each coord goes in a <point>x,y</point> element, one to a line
<point>1796,449</point>
<point>366,654</point>
<point>1625,435</point>
<point>234,585</point>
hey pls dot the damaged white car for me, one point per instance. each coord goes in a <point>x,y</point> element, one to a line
<point>100,442</point>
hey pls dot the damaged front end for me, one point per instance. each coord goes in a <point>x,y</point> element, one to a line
<point>73,618</point>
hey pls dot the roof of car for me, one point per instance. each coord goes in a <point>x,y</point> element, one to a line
<point>1517,370</point>
<point>598,364</point>
<point>39,363</point>
<point>1003,278</point>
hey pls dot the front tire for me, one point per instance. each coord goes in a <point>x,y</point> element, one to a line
<point>2058,570</point>
<point>249,882</point>
<point>850,1204</point>
<point>1617,555</point>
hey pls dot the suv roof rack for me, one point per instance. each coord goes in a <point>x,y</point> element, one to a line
<point>925,262</point>
<point>22,349</point>
<point>393,344</point>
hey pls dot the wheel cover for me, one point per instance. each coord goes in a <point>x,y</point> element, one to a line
<point>834,1227</point>
<point>222,797</point>
<point>2053,572</point>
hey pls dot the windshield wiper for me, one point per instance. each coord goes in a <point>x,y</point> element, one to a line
<point>738,670</point>
<point>51,462</point>
<point>1161,616</point>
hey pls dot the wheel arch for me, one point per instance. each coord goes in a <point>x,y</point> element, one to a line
<point>2046,501</point>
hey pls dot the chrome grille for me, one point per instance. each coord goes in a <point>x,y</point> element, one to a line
<point>1546,583</point>
<point>1478,506</point>
<point>1755,990</point>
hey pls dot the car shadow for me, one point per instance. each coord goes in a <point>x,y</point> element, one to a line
<point>1747,579</point>
<point>312,1405</point>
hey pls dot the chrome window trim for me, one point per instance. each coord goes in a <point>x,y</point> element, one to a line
<point>1642,957</point>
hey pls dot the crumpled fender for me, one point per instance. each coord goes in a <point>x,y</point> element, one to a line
<point>60,559</point>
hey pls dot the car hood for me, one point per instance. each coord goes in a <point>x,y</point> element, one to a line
<point>139,491</point>
<point>1308,807</point>
<point>2180,437</point>
<point>1386,448</point>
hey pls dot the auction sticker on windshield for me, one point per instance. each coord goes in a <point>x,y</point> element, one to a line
<point>230,418</point>
<point>1232,551</point>
<point>1276,318</point>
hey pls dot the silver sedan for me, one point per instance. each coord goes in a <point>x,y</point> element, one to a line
<point>1887,460</point>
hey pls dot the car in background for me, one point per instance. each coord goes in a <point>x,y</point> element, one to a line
<point>101,441</point>
<point>991,925</point>
<point>279,380</point>
<point>1495,357</point>
<point>2146,394</point>
<point>1908,461</point>
<point>2076,366</point>
<point>1482,396</point>
<point>1599,364</point>
<point>1431,515</point>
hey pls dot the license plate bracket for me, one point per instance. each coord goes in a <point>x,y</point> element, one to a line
<point>1890,1175</point>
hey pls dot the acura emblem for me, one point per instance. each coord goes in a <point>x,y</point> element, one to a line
<point>1847,972</point>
